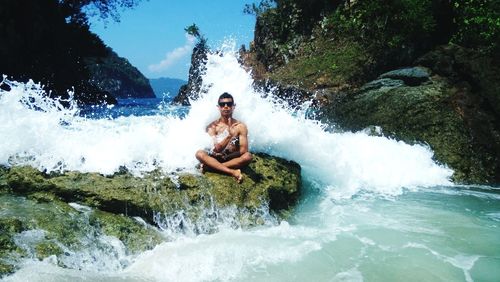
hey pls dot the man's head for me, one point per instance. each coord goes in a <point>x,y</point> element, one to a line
<point>225,98</point>
<point>226,104</point>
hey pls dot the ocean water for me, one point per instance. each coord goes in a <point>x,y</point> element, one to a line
<point>372,209</point>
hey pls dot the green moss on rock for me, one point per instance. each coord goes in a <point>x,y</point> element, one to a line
<point>46,249</point>
<point>324,64</point>
<point>268,180</point>
<point>135,236</point>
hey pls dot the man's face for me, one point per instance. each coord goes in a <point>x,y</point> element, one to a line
<point>226,106</point>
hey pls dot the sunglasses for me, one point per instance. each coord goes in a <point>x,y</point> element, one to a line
<point>224,104</point>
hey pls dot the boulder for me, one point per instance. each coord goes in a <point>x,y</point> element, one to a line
<point>41,226</point>
<point>71,212</point>
<point>268,180</point>
<point>410,76</point>
<point>449,102</point>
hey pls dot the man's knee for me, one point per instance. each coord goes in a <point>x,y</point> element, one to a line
<point>247,157</point>
<point>200,154</point>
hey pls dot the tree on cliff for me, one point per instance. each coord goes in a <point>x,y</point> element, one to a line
<point>47,41</point>
<point>390,33</point>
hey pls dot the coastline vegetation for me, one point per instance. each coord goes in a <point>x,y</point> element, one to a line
<point>49,41</point>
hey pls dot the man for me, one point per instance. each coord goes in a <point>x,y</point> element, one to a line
<point>230,150</point>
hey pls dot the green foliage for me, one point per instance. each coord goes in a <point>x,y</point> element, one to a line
<point>322,64</point>
<point>288,18</point>
<point>78,11</point>
<point>478,24</point>
<point>47,41</point>
<point>388,27</point>
<point>258,9</point>
<point>194,30</point>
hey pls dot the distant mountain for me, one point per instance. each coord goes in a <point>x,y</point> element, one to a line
<point>116,75</point>
<point>166,86</point>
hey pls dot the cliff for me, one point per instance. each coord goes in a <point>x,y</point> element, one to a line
<point>424,71</point>
<point>192,89</point>
<point>58,50</point>
<point>117,76</point>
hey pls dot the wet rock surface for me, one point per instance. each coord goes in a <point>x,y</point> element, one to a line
<point>56,216</point>
<point>449,102</point>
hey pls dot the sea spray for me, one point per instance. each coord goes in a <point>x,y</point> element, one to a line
<point>355,221</point>
<point>50,137</point>
<point>345,163</point>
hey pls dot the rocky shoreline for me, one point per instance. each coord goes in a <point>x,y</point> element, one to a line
<point>66,207</point>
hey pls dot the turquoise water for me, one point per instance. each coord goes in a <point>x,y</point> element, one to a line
<point>372,208</point>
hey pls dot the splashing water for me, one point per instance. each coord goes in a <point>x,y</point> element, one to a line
<point>54,138</point>
<point>372,209</point>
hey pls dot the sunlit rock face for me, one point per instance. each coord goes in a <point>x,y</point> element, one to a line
<point>64,208</point>
<point>448,101</point>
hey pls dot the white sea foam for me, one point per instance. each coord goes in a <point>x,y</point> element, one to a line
<point>227,255</point>
<point>332,236</point>
<point>54,138</point>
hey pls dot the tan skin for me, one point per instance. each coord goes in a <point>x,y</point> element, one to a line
<point>239,154</point>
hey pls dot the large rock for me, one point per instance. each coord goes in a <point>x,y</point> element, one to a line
<point>41,226</point>
<point>69,213</point>
<point>452,105</point>
<point>192,90</point>
<point>269,180</point>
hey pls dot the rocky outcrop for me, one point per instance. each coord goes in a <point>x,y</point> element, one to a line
<point>449,102</point>
<point>192,89</point>
<point>48,228</point>
<point>117,76</point>
<point>63,208</point>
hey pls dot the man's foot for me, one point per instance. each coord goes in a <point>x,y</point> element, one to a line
<point>201,168</point>
<point>238,175</point>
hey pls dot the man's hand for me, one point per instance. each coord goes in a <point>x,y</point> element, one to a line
<point>234,131</point>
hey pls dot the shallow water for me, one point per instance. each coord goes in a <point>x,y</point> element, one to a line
<point>372,208</point>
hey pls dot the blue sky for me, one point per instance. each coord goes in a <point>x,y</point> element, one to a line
<point>151,36</point>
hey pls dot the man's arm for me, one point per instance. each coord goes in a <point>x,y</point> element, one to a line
<point>243,138</point>
<point>241,132</point>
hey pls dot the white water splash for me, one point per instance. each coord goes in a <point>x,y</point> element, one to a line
<point>332,236</point>
<point>54,138</point>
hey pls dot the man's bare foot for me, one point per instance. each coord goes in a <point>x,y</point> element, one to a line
<point>201,167</point>
<point>238,175</point>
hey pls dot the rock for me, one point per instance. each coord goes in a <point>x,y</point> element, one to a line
<point>48,227</point>
<point>268,180</point>
<point>410,76</point>
<point>192,89</point>
<point>8,228</point>
<point>70,213</point>
<point>382,83</point>
<point>460,64</point>
<point>454,111</point>
<point>115,75</point>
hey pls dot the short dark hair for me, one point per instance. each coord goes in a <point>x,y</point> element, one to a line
<point>225,95</point>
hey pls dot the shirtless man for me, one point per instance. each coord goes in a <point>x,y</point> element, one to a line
<point>230,150</point>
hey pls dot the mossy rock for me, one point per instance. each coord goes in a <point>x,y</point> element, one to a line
<point>135,236</point>
<point>267,181</point>
<point>55,228</point>
<point>437,112</point>
<point>46,249</point>
<point>6,269</point>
